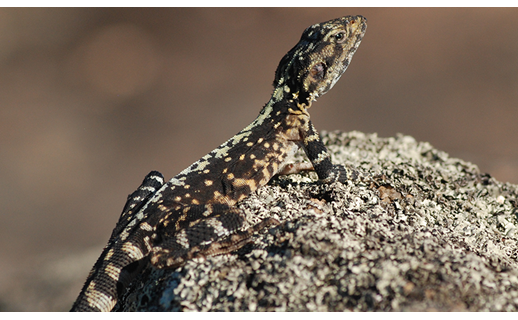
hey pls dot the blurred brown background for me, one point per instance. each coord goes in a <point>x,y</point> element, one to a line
<point>91,100</point>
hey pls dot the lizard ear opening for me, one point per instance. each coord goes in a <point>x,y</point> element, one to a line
<point>318,71</point>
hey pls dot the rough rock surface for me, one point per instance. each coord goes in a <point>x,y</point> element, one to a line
<point>421,232</point>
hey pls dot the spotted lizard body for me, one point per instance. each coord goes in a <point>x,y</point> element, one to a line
<point>194,213</point>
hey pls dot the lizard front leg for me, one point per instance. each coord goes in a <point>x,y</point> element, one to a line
<point>321,160</point>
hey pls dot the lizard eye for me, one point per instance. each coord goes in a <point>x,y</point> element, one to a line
<point>340,37</point>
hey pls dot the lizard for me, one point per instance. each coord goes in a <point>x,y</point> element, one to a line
<point>194,215</point>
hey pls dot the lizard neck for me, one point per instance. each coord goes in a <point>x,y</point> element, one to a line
<point>284,102</point>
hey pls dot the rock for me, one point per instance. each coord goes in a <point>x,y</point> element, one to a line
<point>420,232</point>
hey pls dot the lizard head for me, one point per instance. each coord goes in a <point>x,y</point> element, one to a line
<point>318,60</point>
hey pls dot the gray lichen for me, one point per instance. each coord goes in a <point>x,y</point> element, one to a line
<point>421,231</point>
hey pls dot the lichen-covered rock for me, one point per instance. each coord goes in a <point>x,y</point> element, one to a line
<point>421,231</point>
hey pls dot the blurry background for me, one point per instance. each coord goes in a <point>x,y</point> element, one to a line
<point>91,100</point>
